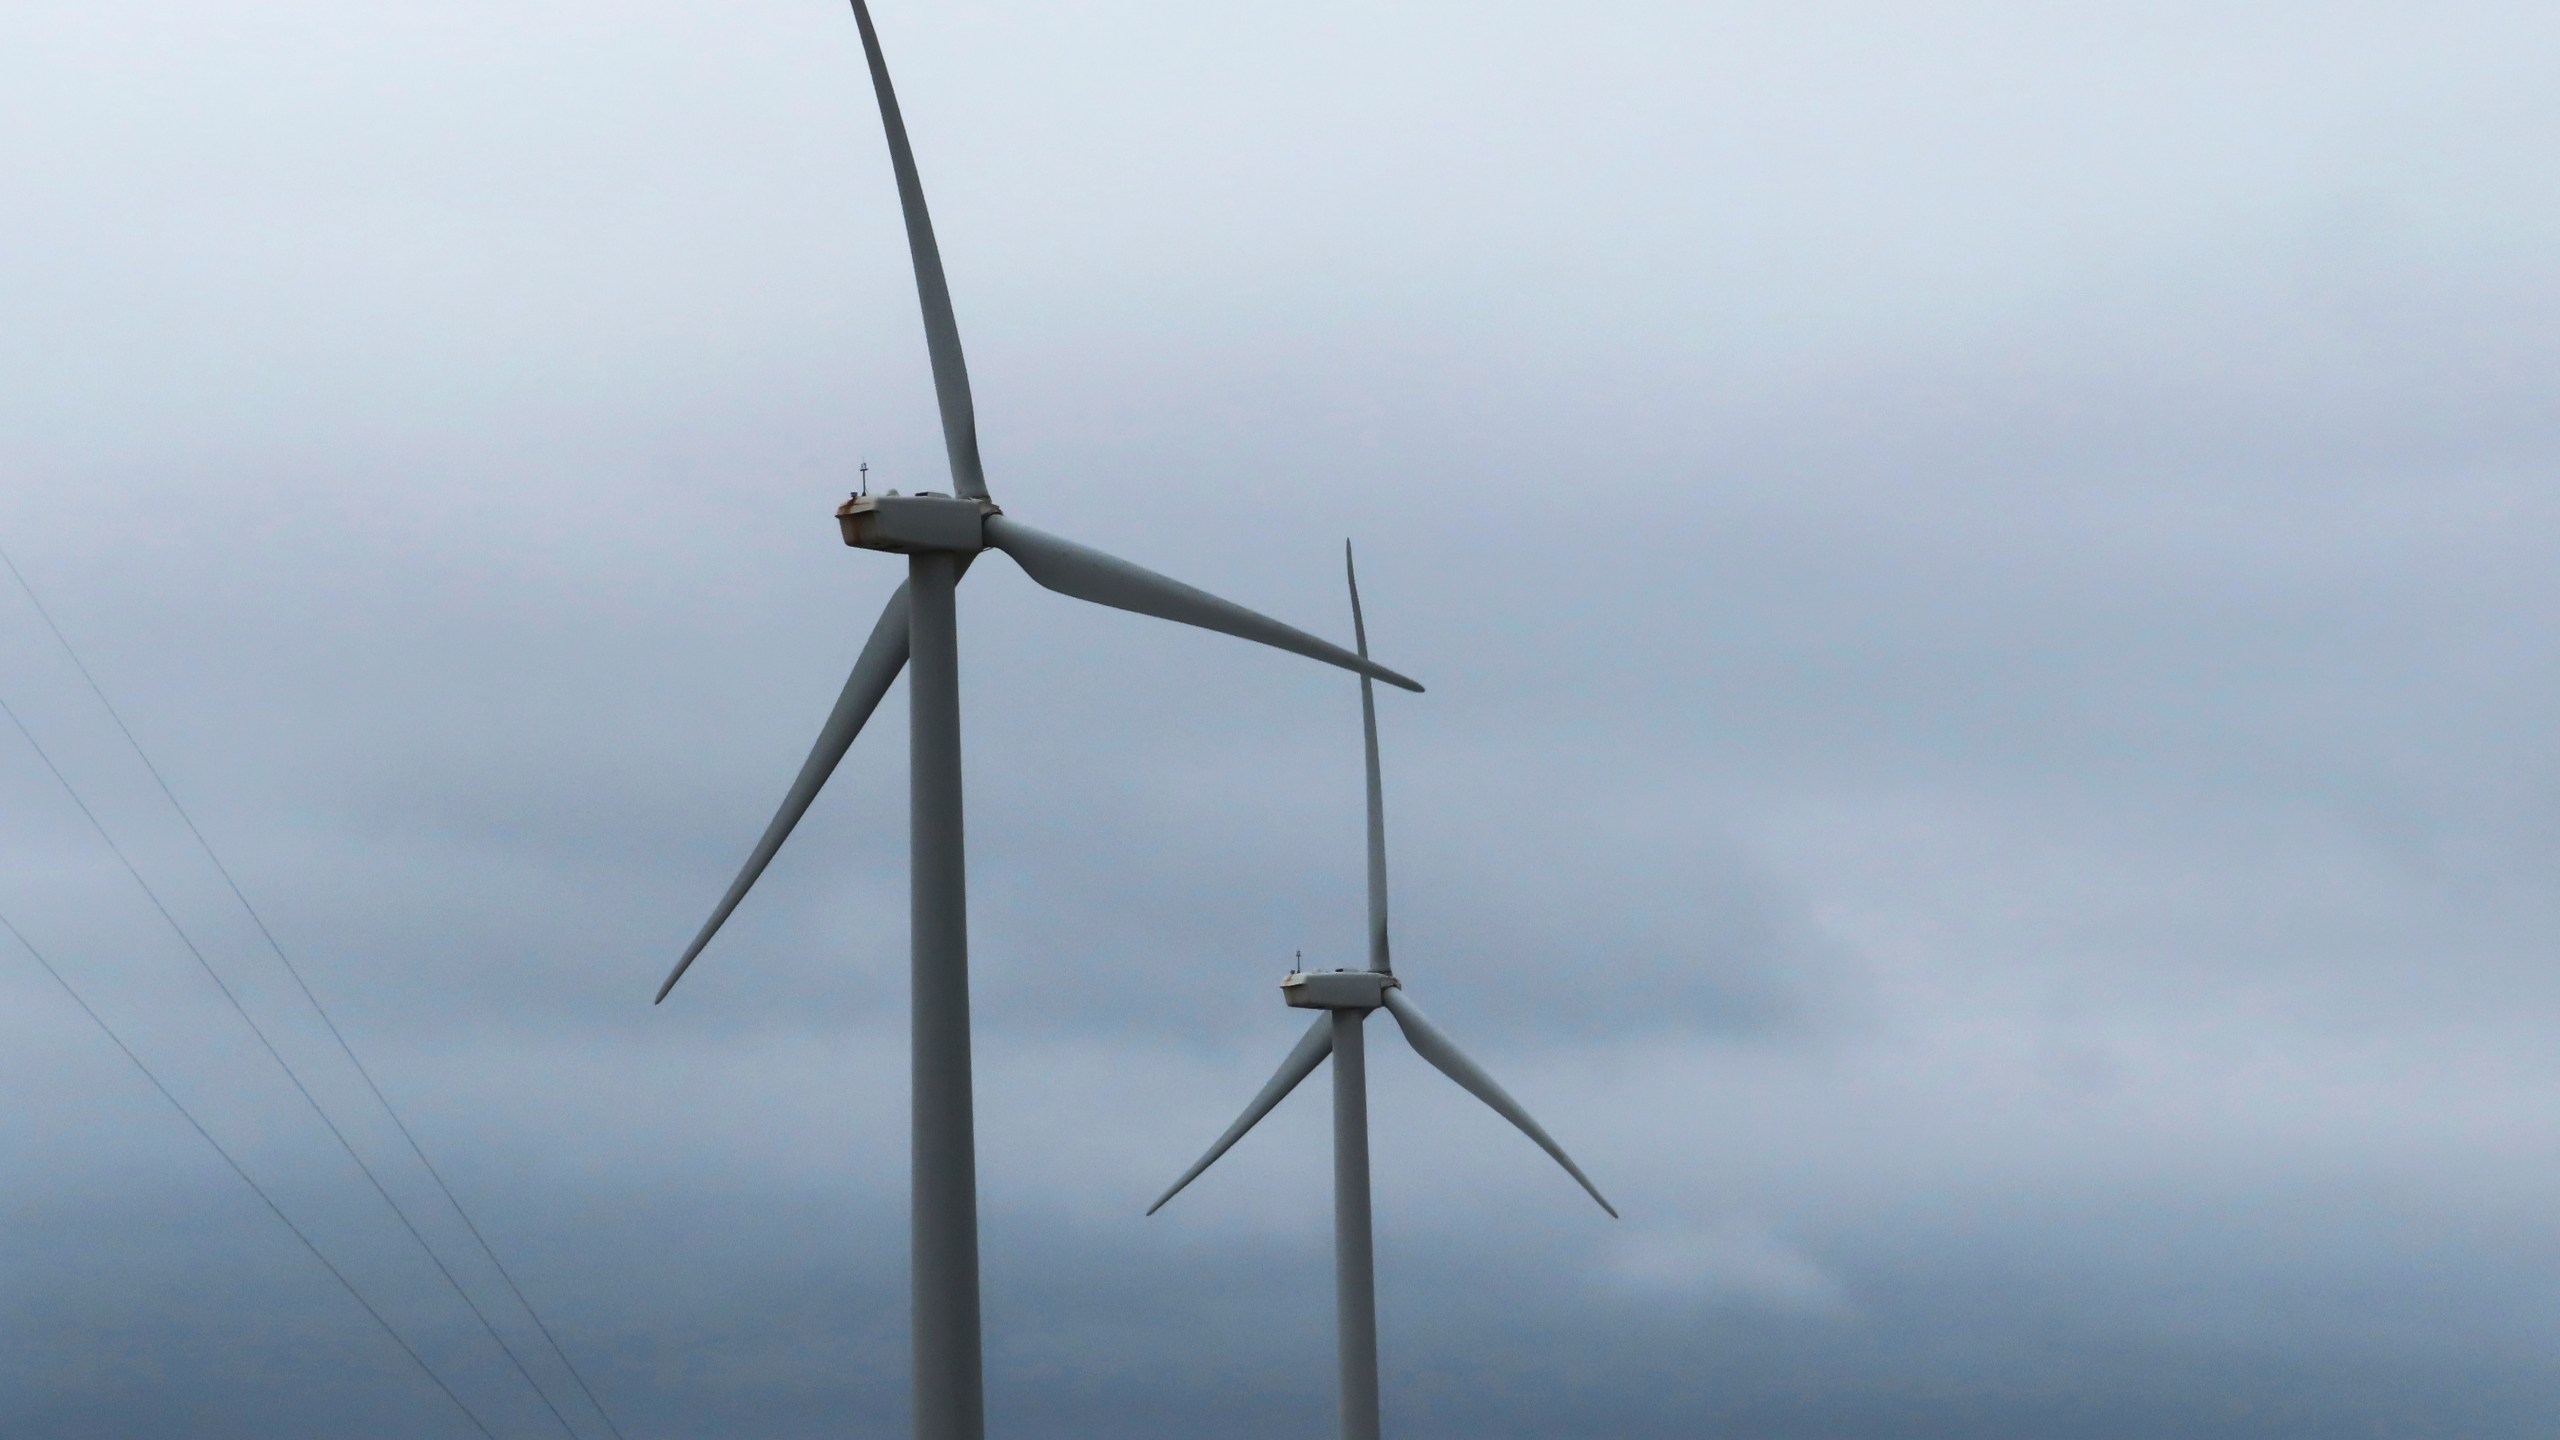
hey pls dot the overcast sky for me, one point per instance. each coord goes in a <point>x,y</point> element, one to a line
<point>1983,571</point>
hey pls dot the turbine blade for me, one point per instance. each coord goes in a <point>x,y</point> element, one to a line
<point>883,656</point>
<point>1302,1061</point>
<point>1088,574</point>
<point>1431,1045</point>
<point>941,331</point>
<point>1378,959</point>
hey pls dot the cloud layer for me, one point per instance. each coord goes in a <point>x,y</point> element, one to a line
<point>1987,767</point>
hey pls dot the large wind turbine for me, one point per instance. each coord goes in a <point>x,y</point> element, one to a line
<point>1347,997</point>
<point>940,535</point>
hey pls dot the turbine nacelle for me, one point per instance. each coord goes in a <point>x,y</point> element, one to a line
<point>1362,990</point>
<point>912,524</point>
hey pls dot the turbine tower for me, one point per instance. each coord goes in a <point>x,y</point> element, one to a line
<point>940,535</point>
<point>1347,997</point>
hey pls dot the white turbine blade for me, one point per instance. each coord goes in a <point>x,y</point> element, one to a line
<point>1378,959</point>
<point>883,656</point>
<point>1302,1061</point>
<point>1435,1047</point>
<point>1088,574</point>
<point>941,331</point>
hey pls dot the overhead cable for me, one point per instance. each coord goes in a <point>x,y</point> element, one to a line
<point>254,1187</point>
<point>276,947</point>
<point>286,1066</point>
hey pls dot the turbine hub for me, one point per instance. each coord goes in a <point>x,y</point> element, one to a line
<point>906,524</point>
<point>1337,989</point>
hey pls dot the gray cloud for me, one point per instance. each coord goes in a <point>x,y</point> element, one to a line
<point>1987,766</point>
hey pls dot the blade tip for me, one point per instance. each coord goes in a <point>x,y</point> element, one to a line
<point>668,986</point>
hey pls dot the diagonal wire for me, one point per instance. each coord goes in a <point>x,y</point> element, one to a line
<point>286,1066</point>
<point>254,1187</point>
<point>398,1122</point>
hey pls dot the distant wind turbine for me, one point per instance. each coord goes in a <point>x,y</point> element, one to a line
<point>940,535</point>
<point>1347,997</point>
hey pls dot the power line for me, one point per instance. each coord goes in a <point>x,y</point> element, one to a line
<point>308,994</point>
<point>254,1187</point>
<point>286,1066</point>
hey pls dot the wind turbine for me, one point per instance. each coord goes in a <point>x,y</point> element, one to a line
<point>1347,997</point>
<point>917,630</point>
